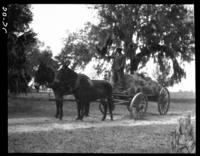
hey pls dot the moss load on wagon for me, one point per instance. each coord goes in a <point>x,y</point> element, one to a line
<point>139,83</point>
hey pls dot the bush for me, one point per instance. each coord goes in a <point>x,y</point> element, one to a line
<point>183,138</point>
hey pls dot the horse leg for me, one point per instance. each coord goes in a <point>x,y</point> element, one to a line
<point>57,97</point>
<point>59,105</point>
<point>78,109</point>
<point>82,109</point>
<point>110,105</point>
<point>61,109</point>
<point>87,108</point>
<point>57,109</point>
<point>105,109</point>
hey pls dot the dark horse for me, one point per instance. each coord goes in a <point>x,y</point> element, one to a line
<point>84,90</point>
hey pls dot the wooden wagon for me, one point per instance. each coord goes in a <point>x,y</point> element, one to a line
<point>137,103</point>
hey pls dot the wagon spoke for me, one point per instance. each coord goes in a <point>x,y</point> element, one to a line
<point>138,105</point>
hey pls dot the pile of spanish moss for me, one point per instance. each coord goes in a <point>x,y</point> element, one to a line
<point>139,83</point>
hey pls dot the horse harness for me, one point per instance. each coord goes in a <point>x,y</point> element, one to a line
<point>77,83</point>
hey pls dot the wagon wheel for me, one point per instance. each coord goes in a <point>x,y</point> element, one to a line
<point>163,101</point>
<point>101,108</point>
<point>138,105</point>
<point>129,109</point>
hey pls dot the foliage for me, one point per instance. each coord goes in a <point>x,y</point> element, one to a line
<point>36,56</point>
<point>76,50</point>
<point>44,74</point>
<point>163,78</point>
<point>33,57</point>
<point>20,39</point>
<point>46,68</point>
<point>46,58</point>
<point>162,32</point>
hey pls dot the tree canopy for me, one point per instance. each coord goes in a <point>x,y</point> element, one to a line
<point>20,39</point>
<point>77,49</point>
<point>162,32</point>
<point>46,67</point>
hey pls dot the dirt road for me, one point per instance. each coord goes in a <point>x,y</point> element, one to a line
<point>68,123</point>
<point>32,128</point>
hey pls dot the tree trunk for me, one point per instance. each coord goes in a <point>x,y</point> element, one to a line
<point>134,65</point>
<point>130,50</point>
<point>183,139</point>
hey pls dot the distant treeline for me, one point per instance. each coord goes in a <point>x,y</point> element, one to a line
<point>183,95</point>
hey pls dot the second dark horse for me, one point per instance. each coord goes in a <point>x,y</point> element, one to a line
<point>84,91</point>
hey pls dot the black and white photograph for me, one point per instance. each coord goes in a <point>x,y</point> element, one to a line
<point>100,78</point>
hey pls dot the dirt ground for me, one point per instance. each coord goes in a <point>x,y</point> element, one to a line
<point>33,128</point>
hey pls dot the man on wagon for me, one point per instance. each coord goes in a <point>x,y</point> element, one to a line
<point>118,69</point>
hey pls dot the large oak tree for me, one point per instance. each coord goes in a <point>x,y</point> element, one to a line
<point>162,32</point>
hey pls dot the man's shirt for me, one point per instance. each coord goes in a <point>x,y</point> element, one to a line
<point>119,62</point>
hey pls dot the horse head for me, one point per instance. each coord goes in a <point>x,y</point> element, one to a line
<point>64,79</point>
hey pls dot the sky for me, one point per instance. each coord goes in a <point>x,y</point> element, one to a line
<point>53,22</point>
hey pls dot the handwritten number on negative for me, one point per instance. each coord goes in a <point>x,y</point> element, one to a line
<point>4,9</point>
<point>5,30</point>
<point>5,25</point>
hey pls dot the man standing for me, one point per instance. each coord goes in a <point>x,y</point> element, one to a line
<point>118,69</point>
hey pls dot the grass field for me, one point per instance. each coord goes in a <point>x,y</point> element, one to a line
<point>119,138</point>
